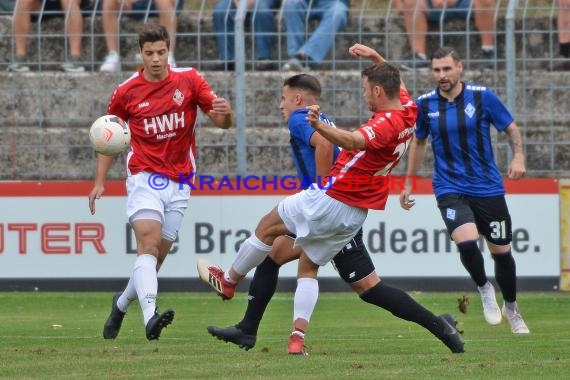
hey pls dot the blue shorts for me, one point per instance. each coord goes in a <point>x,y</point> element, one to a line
<point>458,11</point>
<point>140,8</point>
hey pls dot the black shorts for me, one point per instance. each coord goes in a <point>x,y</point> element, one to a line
<point>353,262</point>
<point>52,9</point>
<point>140,8</point>
<point>490,215</point>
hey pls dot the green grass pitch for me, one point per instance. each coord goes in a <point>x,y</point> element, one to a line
<point>58,336</point>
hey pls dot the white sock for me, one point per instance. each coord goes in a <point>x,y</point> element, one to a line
<point>487,47</point>
<point>128,296</point>
<point>485,287</point>
<point>306,296</point>
<point>251,253</point>
<point>146,283</point>
<point>228,278</point>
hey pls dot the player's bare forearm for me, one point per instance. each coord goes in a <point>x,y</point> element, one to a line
<point>363,51</point>
<point>517,167</point>
<point>344,139</point>
<point>323,154</point>
<point>515,140</point>
<point>103,165</point>
<point>222,121</point>
<point>221,114</point>
<point>416,156</point>
<point>323,158</point>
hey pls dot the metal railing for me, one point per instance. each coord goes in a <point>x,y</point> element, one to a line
<point>526,45</point>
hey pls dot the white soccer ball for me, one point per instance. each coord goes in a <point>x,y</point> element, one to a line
<point>110,135</point>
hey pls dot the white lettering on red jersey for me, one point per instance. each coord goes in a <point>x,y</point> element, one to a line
<point>161,117</point>
<point>360,178</point>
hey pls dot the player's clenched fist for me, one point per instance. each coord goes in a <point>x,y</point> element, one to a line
<point>221,106</point>
<point>313,116</point>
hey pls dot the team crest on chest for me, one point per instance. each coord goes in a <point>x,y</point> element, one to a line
<point>178,97</point>
<point>470,110</point>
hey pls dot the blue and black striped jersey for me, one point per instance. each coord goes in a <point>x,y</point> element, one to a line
<point>460,132</point>
<point>303,153</point>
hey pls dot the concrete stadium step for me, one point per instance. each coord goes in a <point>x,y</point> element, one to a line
<point>60,99</point>
<point>50,153</point>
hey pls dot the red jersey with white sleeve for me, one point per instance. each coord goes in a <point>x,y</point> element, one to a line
<point>161,117</point>
<point>360,178</point>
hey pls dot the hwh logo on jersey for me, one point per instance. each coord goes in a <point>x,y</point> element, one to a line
<point>163,123</point>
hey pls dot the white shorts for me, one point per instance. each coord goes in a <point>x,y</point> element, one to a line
<point>322,224</point>
<point>141,195</point>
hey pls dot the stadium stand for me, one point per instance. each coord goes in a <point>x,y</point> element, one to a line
<point>48,112</point>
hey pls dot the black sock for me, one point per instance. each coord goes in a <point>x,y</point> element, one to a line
<point>565,49</point>
<point>506,275</point>
<point>472,260</point>
<point>400,304</point>
<point>261,290</point>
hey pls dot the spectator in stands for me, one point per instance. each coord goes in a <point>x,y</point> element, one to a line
<point>7,7</point>
<point>417,14</point>
<point>563,23</point>
<point>22,25</point>
<point>303,53</point>
<point>261,14</point>
<point>110,16</point>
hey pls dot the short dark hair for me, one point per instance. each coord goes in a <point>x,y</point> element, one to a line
<point>385,75</point>
<point>305,82</point>
<point>153,32</point>
<point>445,51</point>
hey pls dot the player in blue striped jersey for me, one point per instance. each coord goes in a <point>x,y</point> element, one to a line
<point>457,117</point>
<point>307,149</point>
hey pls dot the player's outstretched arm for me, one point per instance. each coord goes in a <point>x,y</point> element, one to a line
<point>344,139</point>
<point>103,165</point>
<point>517,168</point>
<point>416,156</point>
<point>324,152</point>
<point>363,51</point>
<point>221,114</point>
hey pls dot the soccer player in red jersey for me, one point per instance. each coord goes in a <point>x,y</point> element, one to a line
<point>160,104</point>
<point>313,156</point>
<point>325,220</point>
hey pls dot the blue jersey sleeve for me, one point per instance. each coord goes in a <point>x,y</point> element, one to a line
<point>300,128</point>
<point>498,113</point>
